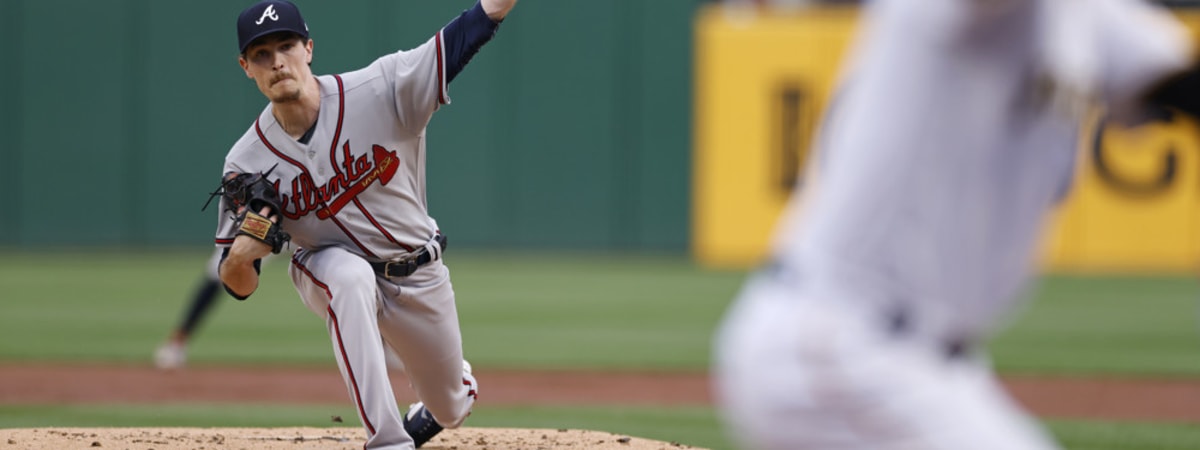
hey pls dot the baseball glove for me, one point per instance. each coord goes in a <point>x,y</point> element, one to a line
<point>247,194</point>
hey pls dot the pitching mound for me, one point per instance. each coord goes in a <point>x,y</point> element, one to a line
<point>312,438</point>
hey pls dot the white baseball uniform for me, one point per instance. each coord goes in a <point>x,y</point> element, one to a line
<point>354,194</point>
<point>955,134</point>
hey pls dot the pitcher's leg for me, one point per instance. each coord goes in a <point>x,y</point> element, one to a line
<point>341,288</point>
<point>421,323</point>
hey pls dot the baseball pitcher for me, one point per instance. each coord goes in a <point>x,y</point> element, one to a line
<point>344,156</point>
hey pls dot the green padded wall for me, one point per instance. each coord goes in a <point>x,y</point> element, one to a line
<point>570,130</point>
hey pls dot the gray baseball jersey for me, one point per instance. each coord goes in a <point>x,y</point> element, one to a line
<point>359,183</point>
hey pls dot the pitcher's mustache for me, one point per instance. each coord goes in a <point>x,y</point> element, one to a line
<point>282,76</point>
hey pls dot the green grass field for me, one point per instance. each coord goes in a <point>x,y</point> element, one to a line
<point>605,311</point>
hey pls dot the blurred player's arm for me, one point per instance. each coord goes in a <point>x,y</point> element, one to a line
<point>1126,53</point>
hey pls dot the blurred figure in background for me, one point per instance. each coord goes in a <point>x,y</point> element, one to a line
<point>954,134</point>
<point>172,354</point>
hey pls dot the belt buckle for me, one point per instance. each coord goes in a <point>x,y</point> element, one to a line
<point>409,266</point>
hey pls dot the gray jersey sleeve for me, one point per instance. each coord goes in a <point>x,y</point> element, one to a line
<point>226,225</point>
<point>417,78</point>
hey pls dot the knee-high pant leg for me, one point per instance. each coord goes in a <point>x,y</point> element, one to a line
<point>419,319</point>
<point>341,288</point>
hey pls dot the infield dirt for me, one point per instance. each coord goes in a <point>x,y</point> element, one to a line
<point>312,438</point>
<point>1171,400</point>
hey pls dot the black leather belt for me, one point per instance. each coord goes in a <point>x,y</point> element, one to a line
<point>405,267</point>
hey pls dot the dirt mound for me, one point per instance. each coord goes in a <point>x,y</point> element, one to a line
<point>312,438</point>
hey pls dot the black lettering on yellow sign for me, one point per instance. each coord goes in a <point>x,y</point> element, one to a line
<point>793,129</point>
<point>1135,186</point>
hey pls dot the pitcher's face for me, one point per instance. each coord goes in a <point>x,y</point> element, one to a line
<point>279,64</point>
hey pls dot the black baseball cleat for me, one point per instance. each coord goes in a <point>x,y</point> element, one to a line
<point>419,424</point>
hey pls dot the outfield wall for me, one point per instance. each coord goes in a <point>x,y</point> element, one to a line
<point>570,130</point>
<point>762,82</point>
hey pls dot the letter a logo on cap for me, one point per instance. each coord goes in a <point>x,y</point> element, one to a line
<point>269,12</point>
<point>273,16</point>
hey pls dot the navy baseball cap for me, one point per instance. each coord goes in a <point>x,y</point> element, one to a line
<point>266,17</point>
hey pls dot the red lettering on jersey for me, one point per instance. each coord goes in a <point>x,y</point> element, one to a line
<point>359,173</point>
<point>330,189</point>
<point>348,163</point>
<point>362,164</point>
<point>304,197</point>
<point>385,164</point>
